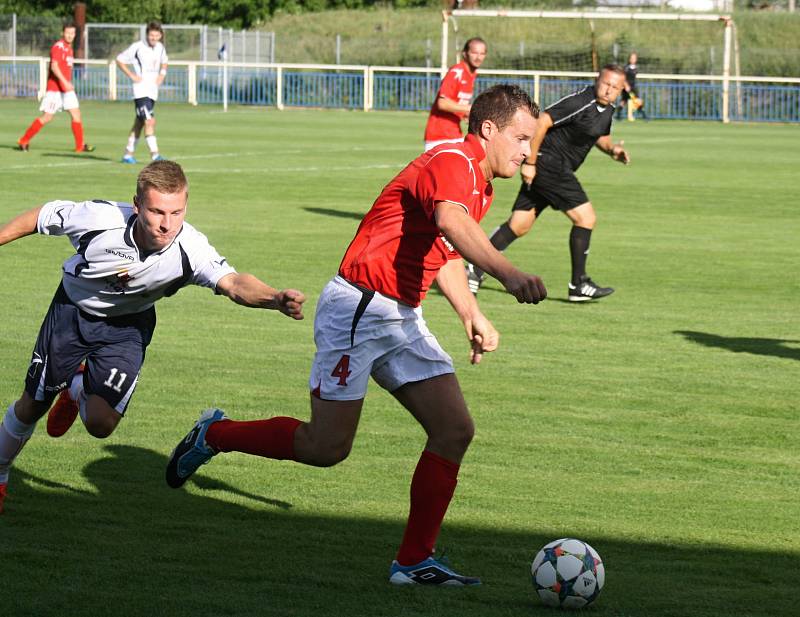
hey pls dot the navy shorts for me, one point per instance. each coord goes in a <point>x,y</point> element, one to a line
<point>144,108</point>
<point>558,188</point>
<point>112,347</point>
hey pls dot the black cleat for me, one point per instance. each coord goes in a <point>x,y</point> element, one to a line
<point>473,279</point>
<point>587,289</point>
<point>22,147</point>
<point>85,148</point>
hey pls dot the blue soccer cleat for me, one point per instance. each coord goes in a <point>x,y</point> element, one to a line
<point>129,159</point>
<point>158,157</point>
<point>429,572</point>
<point>192,451</point>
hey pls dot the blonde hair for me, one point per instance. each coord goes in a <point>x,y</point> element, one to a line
<point>165,177</point>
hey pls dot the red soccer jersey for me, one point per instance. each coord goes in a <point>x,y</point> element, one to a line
<point>456,86</point>
<point>60,54</point>
<point>398,249</point>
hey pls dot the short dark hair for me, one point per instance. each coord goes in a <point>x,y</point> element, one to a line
<point>499,104</point>
<point>68,24</point>
<point>612,68</point>
<point>164,176</point>
<point>155,25</point>
<point>474,39</point>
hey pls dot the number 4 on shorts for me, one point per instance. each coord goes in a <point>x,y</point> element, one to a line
<point>342,370</point>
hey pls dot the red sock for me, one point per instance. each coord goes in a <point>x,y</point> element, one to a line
<point>34,128</point>
<point>432,488</point>
<point>273,438</point>
<point>77,132</point>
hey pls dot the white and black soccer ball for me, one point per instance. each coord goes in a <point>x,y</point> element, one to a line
<point>568,573</point>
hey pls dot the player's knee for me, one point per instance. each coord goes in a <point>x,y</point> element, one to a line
<point>521,225</point>
<point>100,418</point>
<point>456,438</point>
<point>100,427</point>
<point>332,454</point>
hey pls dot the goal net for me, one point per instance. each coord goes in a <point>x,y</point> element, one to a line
<point>585,41</point>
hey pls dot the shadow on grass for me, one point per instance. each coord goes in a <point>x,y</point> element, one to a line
<point>76,155</point>
<point>336,213</point>
<point>775,347</point>
<point>135,547</point>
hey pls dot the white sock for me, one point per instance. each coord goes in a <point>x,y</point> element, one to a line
<point>76,387</point>
<point>13,435</point>
<point>152,144</point>
<point>132,142</point>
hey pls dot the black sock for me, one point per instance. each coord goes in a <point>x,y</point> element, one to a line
<point>579,239</point>
<point>501,238</point>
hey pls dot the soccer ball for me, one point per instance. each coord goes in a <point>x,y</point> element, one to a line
<point>568,573</point>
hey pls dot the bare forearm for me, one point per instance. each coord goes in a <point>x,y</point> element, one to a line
<point>469,240</point>
<point>248,290</point>
<point>452,107</point>
<point>542,126</point>
<point>20,226</point>
<point>452,282</point>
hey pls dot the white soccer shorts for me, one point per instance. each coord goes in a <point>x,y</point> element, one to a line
<point>385,338</point>
<point>54,102</point>
<point>433,144</point>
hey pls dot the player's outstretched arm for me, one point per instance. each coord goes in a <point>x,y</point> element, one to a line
<point>528,168</point>
<point>20,226</point>
<point>615,151</point>
<point>483,338</point>
<point>247,290</point>
<point>469,240</point>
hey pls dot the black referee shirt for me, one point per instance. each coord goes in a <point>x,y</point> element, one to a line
<point>578,122</point>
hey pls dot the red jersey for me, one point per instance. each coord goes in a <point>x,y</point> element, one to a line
<point>60,54</point>
<point>456,86</point>
<point>398,249</point>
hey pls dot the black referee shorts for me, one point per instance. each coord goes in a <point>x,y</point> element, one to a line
<point>557,188</point>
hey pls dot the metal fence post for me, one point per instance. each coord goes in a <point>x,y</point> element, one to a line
<point>192,83</point>
<point>112,81</point>
<point>537,85</point>
<point>279,88</point>
<point>42,77</point>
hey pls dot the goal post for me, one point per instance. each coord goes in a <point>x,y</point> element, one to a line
<point>450,18</point>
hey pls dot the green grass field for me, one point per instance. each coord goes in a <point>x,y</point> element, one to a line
<point>660,425</point>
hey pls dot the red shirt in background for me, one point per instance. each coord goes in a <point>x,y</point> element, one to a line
<point>398,249</point>
<point>60,54</point>
<point>457,87</point>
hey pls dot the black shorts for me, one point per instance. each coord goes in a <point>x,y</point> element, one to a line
<point>112,347</point>
<point>557,188</point>
<point>144,108</point>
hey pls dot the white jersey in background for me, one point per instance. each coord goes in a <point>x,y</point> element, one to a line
<point>147,63</point>
<point>109,275</point>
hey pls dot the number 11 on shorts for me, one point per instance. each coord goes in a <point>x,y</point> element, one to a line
<point>122,377</point>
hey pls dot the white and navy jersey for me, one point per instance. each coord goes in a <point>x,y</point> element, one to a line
<point>578,122</point>
<point>109,275</point>
<point>147,62</point>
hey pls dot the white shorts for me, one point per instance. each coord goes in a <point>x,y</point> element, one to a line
<point>433,144</point>
<point>358,336</point>
<point>54,101</point>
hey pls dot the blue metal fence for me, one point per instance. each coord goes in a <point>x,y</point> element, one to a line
<point>19,79</point>
<point>754,102</point>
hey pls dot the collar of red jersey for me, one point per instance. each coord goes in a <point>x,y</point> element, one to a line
<point>475,147</point>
